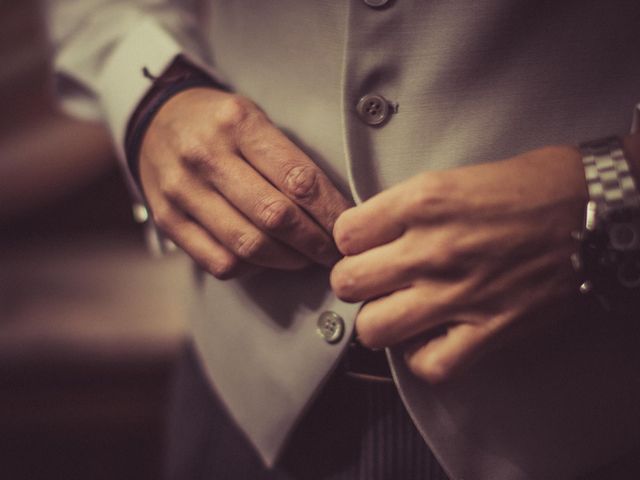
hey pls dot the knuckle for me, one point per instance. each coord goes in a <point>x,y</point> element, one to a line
<point>238,116</point>
<point>370,330</point>
<point>172,185</point>
<point>276,214</point>
<point>252,120</point>
<point>342,234</point>
<point>301,181</point>
<point>249,245</point>
<point>432,192</point>
<point>439,257</point>
<point>422,200</point>
<point>431,367</point>
<point>233,111</point>
<point>222,268</point>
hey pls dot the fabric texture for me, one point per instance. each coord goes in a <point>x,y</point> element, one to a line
<point>355,430</point>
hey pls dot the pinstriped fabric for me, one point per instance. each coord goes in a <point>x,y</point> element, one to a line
<point>356,430</point>
<point>384,442</point>
<point>368,422</point>
<point>391,448</point>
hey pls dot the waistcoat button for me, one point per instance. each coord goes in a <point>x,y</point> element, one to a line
<point>330,327</point>
<point>376,3</point>
<point>373,109</point>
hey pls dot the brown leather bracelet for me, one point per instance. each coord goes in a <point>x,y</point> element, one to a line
<point>179,76</point>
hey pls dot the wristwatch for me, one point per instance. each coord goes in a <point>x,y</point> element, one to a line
<point>608,259</point>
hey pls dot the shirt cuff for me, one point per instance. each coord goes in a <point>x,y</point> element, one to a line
<point>179,76</point>
<point>123,83</point>
<point>127,76</point>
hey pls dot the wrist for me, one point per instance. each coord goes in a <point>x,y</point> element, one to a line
<point>181,75</point>
<point>609,256</point>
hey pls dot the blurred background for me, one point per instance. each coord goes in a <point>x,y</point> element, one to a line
<point>89,324</point>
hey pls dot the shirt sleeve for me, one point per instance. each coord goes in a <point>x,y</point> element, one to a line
<point>101,48</point>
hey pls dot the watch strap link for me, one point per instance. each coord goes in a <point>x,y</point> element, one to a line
<point>609,180</point>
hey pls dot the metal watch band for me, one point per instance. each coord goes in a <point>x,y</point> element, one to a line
<point>609,180</point>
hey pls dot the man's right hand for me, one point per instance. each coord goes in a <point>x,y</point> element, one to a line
<point>232,190</point>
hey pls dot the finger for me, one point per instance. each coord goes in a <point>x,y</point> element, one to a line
<point>373,273</point>
<point>231,228</point>
<point>373,223</point>
<point>291,170</point>
<point>448,355</point>
<point>267,208</point>
<point>197,243</point>
<point>401,315</point>
<point>419,254</point>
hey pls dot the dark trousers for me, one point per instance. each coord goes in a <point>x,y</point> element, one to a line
<point>354,430</point>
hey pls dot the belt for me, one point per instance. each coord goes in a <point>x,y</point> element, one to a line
<point>364,364</point>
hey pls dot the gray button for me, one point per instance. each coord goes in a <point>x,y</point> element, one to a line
<point>330,327</point>
<point>376,3</point>
<point>373,109</point>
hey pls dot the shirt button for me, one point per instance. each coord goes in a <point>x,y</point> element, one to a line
<point>373,109</point>
<point>330,327</point>
<point>376,3</point>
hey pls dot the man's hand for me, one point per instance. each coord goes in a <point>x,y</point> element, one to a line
<point>231,190</point>
<point>453,262</point>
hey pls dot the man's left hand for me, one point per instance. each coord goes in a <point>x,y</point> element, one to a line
<point>452,263</point>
